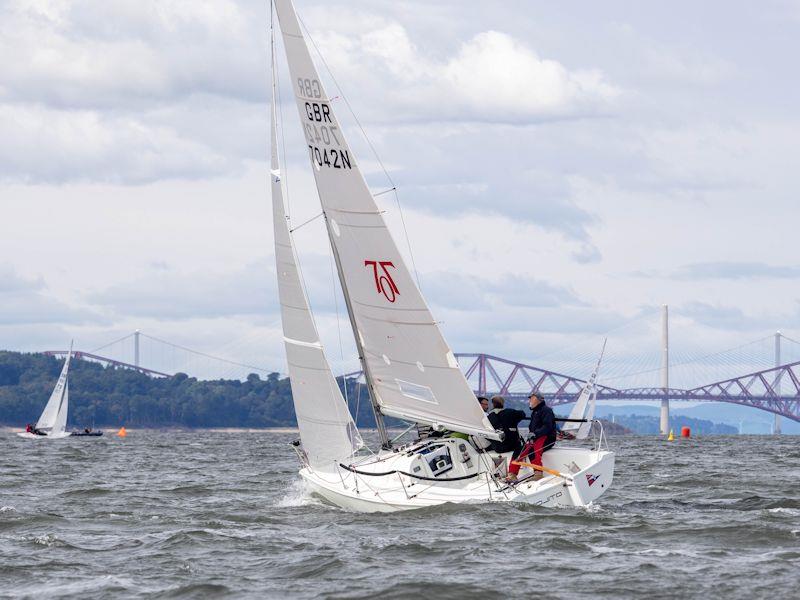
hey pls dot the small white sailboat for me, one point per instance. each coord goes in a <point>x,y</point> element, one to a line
<point>579,423</point>
<point>410,371</point>
<point>52,423</point>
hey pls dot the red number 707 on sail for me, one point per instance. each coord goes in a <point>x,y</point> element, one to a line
<point>384,283</point>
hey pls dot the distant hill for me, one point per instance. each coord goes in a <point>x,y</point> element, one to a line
<point>611,428</point>
<point>652,425</point>
<point>751,420</point>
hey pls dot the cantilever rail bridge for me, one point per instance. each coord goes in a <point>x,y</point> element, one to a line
<point>775,389</point>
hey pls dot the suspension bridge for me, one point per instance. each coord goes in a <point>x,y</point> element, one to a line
<point>747,375</point>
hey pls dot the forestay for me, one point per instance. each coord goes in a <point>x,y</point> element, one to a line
<point>326,427</point>
<point>413,373</point>
<point>53,419</point>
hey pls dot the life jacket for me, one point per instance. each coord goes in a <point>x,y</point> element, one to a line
<point>507,420</point>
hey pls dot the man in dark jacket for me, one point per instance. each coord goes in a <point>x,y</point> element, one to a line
<point>507,420</point>
<point>543,435</point>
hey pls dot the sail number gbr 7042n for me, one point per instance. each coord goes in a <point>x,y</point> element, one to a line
<point>322,135</point>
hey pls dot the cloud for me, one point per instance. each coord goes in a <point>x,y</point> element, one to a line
<point>544,169</point>
<point>46,145</point>
<point>671,64</point>
<point>26,301</point>
<point>734,319</point>
<point>523,332</point>
<point>719,317</point>
<point>736,270</point>
<point>492,77</point>
<point>170,295</point>
<point>685,66</point>
<point>587,254</point>
<point>110,55</point>
<point>11,282</point>
<point>489,170</point>
<point>130,92</point>
<point>726,270</point>
<point>464,291</point>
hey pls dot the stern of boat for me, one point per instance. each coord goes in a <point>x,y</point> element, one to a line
<point>592,471</point>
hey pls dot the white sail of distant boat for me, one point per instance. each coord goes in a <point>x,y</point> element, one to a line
<point>411,372</point>
<point>53,420</point>
<point>582,413</point>
<point>327,430</point>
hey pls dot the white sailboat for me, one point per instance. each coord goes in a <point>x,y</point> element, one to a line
<point>579,422</point>
<point>411,373</point>
<point>52,423</point>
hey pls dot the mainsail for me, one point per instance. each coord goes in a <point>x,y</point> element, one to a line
<point>584,407</point>
<point>411,370</point>
<point>326,427</point>
<point>53,419</point>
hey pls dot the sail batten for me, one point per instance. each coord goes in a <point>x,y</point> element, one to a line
<point>327,430</point>
<point>394,329</point>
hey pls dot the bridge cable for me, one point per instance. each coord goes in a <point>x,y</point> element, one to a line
<point>211,356</point>
<point>122,339</point>
<point>695,360</point>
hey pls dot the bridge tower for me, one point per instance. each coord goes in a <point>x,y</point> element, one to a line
<point>665,369</point>
<point>136,348</point>
<point>776,428</point>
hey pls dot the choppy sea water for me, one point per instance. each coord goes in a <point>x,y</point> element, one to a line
<point>207,514</point>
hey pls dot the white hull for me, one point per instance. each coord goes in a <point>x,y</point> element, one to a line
<point>390,493</point>
<point>53,436</point>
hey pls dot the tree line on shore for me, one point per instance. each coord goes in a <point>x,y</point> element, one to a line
<point>112,396</point>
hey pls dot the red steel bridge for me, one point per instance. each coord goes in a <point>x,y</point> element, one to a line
<point>775,390</point>
<point>106,361</point>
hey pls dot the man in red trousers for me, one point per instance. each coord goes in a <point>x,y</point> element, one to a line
<point>543,435</point>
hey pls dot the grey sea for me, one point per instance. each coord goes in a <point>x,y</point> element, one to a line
<point>213,514</point>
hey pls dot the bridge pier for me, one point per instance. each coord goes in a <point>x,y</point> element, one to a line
<point>136,348</point>
<point>664,424</point>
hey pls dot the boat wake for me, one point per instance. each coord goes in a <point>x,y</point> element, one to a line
<point>298,495</point>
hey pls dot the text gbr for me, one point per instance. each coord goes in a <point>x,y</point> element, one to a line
<point>320,131</point>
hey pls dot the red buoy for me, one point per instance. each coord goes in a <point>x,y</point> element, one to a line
<point>686,432</point>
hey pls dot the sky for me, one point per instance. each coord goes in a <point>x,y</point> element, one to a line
<point>563,170</point>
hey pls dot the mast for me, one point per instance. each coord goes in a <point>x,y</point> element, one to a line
<point>379,420</point>
<point>373,399</point>
<point>411,372</point>
<point>664,425</point>
<point>327,430</point>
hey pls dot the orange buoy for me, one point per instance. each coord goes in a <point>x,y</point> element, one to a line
<point>686,432</point>
<point>122,432</point>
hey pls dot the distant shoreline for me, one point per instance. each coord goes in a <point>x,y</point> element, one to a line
<point>114,428</point>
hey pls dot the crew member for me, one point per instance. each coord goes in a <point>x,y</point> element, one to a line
<point>29,428</point>
<point>480,442</point>
<point>543,435</point>
<point>506,419</point>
